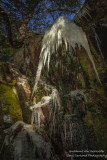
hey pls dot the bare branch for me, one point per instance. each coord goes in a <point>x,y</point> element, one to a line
<point>15,44</point>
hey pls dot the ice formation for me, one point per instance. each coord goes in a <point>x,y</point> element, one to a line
<point>62,30</point>
<point>55,109</point>
<point>54,104</point>
<point>37,112</point>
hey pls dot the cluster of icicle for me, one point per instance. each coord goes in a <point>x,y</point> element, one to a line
<point>62,30</point>
<point>59,123</point>
<point>52,101</point>
<point>54,112</point>
<point>37,112</point>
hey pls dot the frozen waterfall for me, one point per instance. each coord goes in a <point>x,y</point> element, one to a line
<point>62,30</point>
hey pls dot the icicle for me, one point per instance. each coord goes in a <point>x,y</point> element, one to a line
<point>55,110</point>
<point>66,46</point>
<point>48,61</point>
<point>59,38</point>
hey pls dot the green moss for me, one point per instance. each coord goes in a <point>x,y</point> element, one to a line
<point>9,103</point>
<point>87,69</point>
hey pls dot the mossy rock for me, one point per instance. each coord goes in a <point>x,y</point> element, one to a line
<point>9,103</point>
